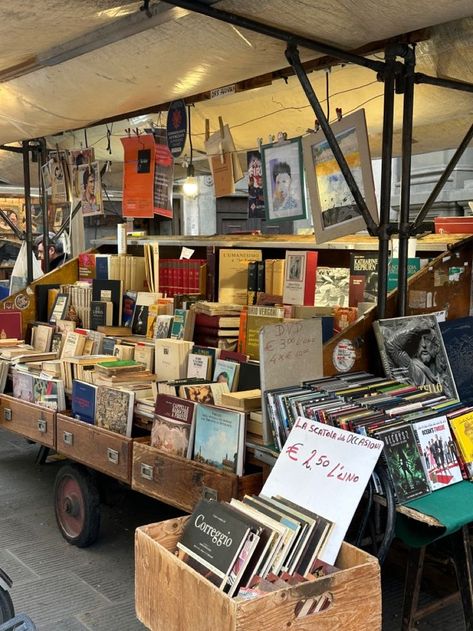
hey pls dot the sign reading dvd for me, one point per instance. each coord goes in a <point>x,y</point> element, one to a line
<point>177,127</point>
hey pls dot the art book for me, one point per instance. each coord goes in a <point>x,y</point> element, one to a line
<point>220,438</point>
<point>173,425</point>
<point>114,410</point>
<point>227,372</point>
<point>49,392</point>
<point>331,286</point>
<point>405,463</point>
<point>436,446</point>
<point>213,536</point>
<point>22,386</point>
<point>210,393</point>
<point>458,339</point>
<point>412,351</point>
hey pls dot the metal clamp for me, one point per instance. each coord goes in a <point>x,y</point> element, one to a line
<point>68,438</point>
<point>42,426</point>
<point>112,455</point>
<point>147,471</point>
<point>7,414</point>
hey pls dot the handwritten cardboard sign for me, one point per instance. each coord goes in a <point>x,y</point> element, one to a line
<point>325,470</point>
<point>290,352</point>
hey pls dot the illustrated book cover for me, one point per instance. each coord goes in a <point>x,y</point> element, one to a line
<point>436,446</point>
<point>457,336</point>
<point>412,351</point>
<point>114,410</point>
<point>173,425</point>
<point>83,401</point>
<point>331,286</point>
<point>219,438</point>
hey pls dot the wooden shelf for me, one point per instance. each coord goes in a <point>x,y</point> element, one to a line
<point>427,243</point>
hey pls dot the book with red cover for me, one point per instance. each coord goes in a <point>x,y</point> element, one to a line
<point>11,325</point>
<point>212,274</point>
<point>86,267</point>
<point>241,348</point>
<point>217,322</point>
<point>234,356</point>
<point>205,330</point>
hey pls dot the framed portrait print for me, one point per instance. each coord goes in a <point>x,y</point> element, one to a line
<point>334,211</point>
<point>283,181</point>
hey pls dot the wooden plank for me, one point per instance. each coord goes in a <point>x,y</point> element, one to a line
<point>98,448</point>
<point>355,593</point>
<point>29,420</point>
<point>182,482</point>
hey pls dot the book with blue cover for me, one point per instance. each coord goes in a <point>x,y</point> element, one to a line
<point>83,401</point>
<point>220,438</point>
<point>458,339</point>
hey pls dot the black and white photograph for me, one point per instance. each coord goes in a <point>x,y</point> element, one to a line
<point>332,286</point>
<point>412,350</point>
<point>283,181</point>
<point>295,267</point>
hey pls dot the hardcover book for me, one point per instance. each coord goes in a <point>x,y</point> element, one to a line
<point>363,278</point>
<point>173,426</point>
<point>101,314</point>
<point>412,351</point>
<point>331,286</point>
<point>214,536</point>
<point>199,366</point>
<point>299,282</point>
<point>83,401</point>
<point>210,393</point>
<point>436,446</point>
<point>22,386</point>
<point>163,326</point>
<point>458,339</point>
<point>220,438</point>
<point>60,308</point>
<point>11,325</point>
<point>405,464</point>
<point>233,274</point>
<point>49,392</point>
<point>109,291</point>
<point>227,372</point>
<point>413,266</point>
<point>114,410</point>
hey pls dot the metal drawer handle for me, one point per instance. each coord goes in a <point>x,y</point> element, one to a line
<point>68,438</point>
<point>112,455</point>
<point>7,414</point>
<point>42,426</point>
<point>147,471</point>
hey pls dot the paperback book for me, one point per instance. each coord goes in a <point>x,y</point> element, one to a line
<point>114,410</point>
<point>173,425</point>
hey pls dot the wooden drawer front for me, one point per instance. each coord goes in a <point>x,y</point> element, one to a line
<point>178,481</point>
<point>31,421</point>
<point>98,448</point>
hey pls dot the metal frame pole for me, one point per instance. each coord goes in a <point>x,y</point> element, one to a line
<point>389,78</point>
<point>42,159</point>
<point>404,226</point>
<point>292,55</point>
<point>27,185</point>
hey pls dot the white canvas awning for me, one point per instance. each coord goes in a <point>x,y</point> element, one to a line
<point>186,54</point>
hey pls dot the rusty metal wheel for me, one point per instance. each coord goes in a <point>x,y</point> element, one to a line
<point>77,505</point>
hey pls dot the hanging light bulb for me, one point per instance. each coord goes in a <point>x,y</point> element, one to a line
<point>190,187</point>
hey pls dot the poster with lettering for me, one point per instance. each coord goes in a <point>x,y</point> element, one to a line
<point>290,353</point>
<point>325,470</point>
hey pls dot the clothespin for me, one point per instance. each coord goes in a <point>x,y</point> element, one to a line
<point>316,125</point>
<point>338,110</point>
<point>259,142</point>
<point>271,139</point>
<point>221,126</point>
<point>207,129</point>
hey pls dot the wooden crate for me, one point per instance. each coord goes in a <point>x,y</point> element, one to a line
<point>95,447</point>
<point>170,596</point>
<point>182,482</point>
<point>32,421</point>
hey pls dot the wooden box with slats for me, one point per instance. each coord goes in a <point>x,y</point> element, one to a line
<point>171,596</point>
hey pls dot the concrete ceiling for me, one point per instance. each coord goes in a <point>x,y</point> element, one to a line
<point>187,54</point>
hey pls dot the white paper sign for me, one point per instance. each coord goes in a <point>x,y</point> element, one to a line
<point>325,470</point>
<point>186,253</point>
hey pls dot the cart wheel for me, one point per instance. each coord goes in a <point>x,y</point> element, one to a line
<point>6,606</point>
<point>77,505</point>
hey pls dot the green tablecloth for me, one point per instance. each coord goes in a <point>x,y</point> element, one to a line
<point>451,506</point>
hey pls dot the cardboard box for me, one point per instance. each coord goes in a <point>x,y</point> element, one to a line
<point>170,596</point>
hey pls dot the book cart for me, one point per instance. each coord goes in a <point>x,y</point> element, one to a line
<point>181,482</point>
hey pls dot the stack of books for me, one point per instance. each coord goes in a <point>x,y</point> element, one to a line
<point>217,325</point>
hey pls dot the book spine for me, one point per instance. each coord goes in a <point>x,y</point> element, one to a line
<point>211,285</point>
<point>310,274</point>
<point>252,284</point>
<point>242,334</point>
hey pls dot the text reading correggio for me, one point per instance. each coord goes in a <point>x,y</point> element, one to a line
<point>218,537</point>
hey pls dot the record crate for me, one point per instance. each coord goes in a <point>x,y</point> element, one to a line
<point>171,596</point>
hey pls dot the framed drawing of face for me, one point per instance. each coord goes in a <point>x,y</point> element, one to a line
<point>334,211</point>
<point>283,181</point>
